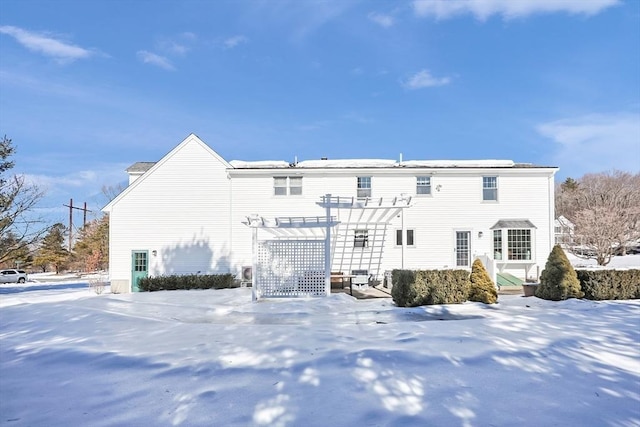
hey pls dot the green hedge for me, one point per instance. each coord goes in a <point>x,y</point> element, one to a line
<point>192,281</point>
<point>429,287</point>
<point>610,284</point>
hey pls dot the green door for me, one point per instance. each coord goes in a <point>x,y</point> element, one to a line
<point>139,268</point>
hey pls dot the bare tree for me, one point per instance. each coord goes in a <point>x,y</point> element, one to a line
<point>110,192</point>
<point>605,209</point>
<point>19,229</point>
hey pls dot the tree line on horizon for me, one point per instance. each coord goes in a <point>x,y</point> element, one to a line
<point>27,241</point>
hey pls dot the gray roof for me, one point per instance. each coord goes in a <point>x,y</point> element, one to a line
<point>513,223</point>
<point>140,167</point>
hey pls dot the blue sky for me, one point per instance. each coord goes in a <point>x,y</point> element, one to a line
<point>89,87</point>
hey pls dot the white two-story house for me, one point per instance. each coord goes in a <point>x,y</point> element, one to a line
<point>187,213</point>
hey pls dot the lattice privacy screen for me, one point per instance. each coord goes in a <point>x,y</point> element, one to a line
<point>290,268</point>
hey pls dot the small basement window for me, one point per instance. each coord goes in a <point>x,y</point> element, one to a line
<point>410,240</point>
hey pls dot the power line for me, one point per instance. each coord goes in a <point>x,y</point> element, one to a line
<point>84,218</point>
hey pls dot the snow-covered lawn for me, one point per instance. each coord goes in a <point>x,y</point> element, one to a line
<point>69,357</point>
<point>617,262</point>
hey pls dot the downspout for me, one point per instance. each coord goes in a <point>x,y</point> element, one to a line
<point>552,210</point>
<point>230,189</point>
<point>327,248</point>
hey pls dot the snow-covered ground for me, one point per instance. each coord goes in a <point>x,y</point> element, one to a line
<point>213,358</point>
<point>617,262</point>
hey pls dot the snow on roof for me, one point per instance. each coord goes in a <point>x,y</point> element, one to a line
<point>262,164</point>
<point>372,163</point>
<point>347,163</point>
<point>459,163</point>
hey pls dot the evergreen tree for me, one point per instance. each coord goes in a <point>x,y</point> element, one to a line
<point>482,287</point>
<point>570,184</point>
<point>91,251</point>
<point>558,280</point>
<point>52,251</point>
<point>21,257</point>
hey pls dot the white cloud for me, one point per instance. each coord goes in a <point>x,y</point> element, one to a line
<point>173,47</point>
<point>155,59</point>
<point>595,142</point>
<point>48,46</point>
<point>234,41</point>
<point>177,45</point>
<point>424,79</point>
<point>383,20</point>
<point>483,9</point>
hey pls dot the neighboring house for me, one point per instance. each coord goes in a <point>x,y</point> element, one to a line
<point>187,213</point>
<point>563,231</point>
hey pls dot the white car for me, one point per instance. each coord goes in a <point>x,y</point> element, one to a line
<point>13,276</point>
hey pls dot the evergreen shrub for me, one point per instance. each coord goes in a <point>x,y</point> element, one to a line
<point>429,287</point>
<point>610,284</point>
<point>482,288</point>
<point>187,282</point>
<point>558,280</point>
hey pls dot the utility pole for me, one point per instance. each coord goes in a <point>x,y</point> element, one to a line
<point>84,219</point>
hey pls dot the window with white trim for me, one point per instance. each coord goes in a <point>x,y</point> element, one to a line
<point>497,244</point>
<point>519,244</point>
<point>410,237</point>
<point>423,185</point>
<point>513,240</point>
<point>360,238</point>
<point>364,186</point>
<point>490,188</point>
<point>287,185</point>
<point>295,185</point>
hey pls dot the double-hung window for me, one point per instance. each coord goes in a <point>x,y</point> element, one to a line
<point>280,185</point>
<point>295,185</point>
<point>287,185</point>
<point>423,185</point>
<point>364,186</point>
<point>490,188</point>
